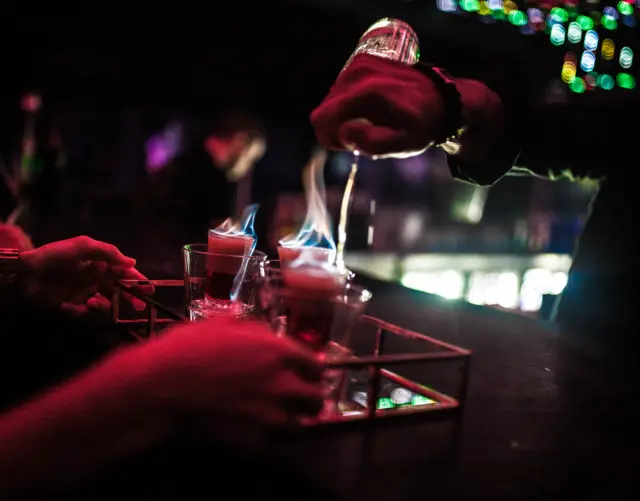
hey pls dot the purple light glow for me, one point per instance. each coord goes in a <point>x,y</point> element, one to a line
<point>412,169</point>
<point>163,147</point>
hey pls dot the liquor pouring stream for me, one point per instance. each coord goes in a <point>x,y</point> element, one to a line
<point>391,39</point>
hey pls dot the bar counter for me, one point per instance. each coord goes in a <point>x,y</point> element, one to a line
<point>544,419</point>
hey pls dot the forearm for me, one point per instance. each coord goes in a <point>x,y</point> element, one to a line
<point>511,133</point>
<point>72,432</point>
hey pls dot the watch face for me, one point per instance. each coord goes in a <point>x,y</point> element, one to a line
<point>8,278</point>
<point>9,264</point>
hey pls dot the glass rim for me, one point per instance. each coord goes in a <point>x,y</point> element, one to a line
<point>195,249</point>
<point>344,295</point>
<point>348,273</point>
<point>351,290</point>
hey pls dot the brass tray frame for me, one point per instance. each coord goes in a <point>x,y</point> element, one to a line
<point>446,406</point>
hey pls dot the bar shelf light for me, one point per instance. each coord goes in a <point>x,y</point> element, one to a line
<point>590,35</point>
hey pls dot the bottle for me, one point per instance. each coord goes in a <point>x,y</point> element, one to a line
<point>389,38</point>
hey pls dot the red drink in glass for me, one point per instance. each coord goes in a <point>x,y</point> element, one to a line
<point>310,304</point>
<point>289,254</point>
<point>228,253</point>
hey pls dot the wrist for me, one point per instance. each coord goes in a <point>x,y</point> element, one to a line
<point>12,273</point>
<point>454,115</point>
<point>27,261</point>
<point>483,116</point>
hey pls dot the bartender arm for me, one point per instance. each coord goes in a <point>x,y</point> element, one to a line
<point>553,141</point>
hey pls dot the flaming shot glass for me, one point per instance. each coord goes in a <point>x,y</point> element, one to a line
<point>223,282</point>
<point>312,303</point>
<point>288,254</point>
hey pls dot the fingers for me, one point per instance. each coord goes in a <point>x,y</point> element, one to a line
<point>89,249</point>
<point>291,354</point>
<point>400,101</point>
<point>370,139</point>
<point>98,303</point>
<point>302,361</point>
<point>128,273</point>
<point>299,397</point>
<point>299,407</point>
<point>100,273</point>
<point>74,310</point>
<point>375,106</point>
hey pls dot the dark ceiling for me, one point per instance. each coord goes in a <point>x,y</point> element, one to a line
<point>286,50</point>
<point>280,55</point>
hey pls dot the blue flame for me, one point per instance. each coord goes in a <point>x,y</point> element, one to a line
<point>243,227</point>
<point>316,231</point>
<point>312,262</point>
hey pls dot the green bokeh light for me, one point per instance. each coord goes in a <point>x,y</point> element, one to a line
<point>470,5</point>
<point>559,15</point>
<point>609,22</point>
<point>625,9</point>
<point>626,81</point>
<point>605,81</point>
<point>518,18</point>
<point>586,23</point>
<point>578,86</point>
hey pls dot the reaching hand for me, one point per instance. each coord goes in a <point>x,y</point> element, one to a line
<point>77,274</point>
<point>235,375</point>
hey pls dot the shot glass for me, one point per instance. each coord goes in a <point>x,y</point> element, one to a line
<point>220,283</point>
<point>321,317</point>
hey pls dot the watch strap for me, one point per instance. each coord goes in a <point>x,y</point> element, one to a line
<point>10,265</point>
<point>454,124</point>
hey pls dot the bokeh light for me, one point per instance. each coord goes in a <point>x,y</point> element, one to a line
<point>626,57</point>
<point>590,29</point>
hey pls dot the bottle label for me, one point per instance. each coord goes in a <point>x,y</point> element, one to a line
<point>390,39</point>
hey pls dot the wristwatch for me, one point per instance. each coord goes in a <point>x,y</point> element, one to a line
<point>454,124</point>
<point>10,266</point>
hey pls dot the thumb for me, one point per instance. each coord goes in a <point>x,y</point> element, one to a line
<point>89,249</point>
<point>361,134</point>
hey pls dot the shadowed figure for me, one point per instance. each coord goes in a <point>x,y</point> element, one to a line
<point>206,185</point>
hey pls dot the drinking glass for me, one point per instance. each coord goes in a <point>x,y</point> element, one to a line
<point>323,321</point>
<point>219,283</point>
<point>289,254</point>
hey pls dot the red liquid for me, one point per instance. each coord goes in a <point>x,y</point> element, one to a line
<point>310,306</point>
<point>288,254</point>
<point>218,286</point>
<point>223,267</point>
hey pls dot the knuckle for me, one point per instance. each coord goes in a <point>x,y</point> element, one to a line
<point>83,241</point>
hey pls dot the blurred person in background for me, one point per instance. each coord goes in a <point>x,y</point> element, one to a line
<point>45,188</point>
<point>36,180</point>
<point>212,182</point>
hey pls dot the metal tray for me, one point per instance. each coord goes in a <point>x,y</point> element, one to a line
<point>395,375</point>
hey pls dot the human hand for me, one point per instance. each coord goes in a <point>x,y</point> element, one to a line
<point>384,108</point>
<point>234,375</point>
<point>14,237</point>
<point>77,275</point>
<point>379,107</point>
